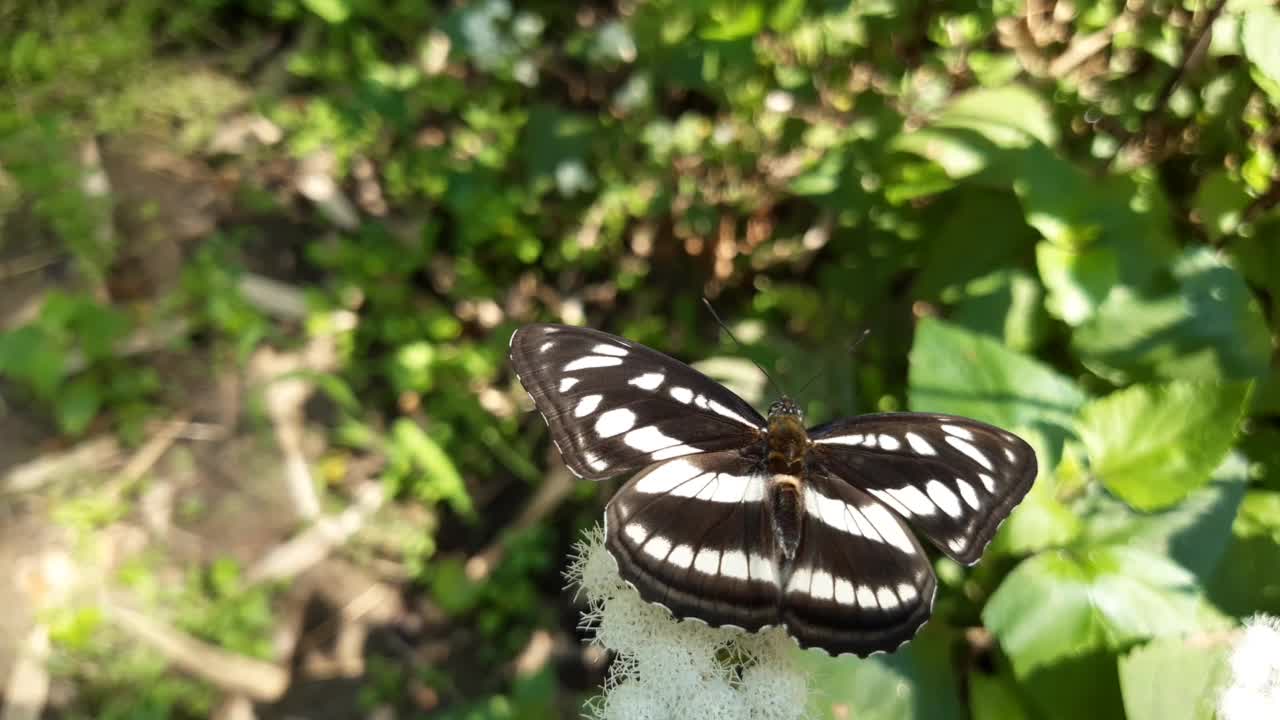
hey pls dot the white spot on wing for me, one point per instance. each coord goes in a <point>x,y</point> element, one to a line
<point>956,430</point>
<point>844,592</point>
<point>762,569</point>
<point>682,394</point>
<point>915,501</point>
<point>920,445</point>
<point>884,497</point>
<point>889,442</point>
<point>886,597</point>
<point>647,381</point>
<point>587,405</point>
<point>822,586</point>
<point>969,494</point>
<point>700,401</point>
<point>958,544</point>
<point>870,441</point>
<point>907,593</point>
<point>988,482</point>
<point>866,597</point>
<point>889,528</point>
<point>594,461</point>
<point>944,498</point>
<point>649,439</point>
<point>841,440</point>
<point>636,532</point>
<point>734,565</point>
<point>658,547</point>
<point>800,579</point>
<point>567,383</point>
<point>1009,454</point>
<point>592,361</point>
<point>681,556</point>
<point>606,349</point>
<point>830,511</point>
<point>719,409</point>
<point>707,562</point>
<point>615,422</point>
<point>974,453</point>
<point>545,346</point>
<point>667,477</point>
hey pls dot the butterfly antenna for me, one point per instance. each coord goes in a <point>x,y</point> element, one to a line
<point>852,346</point>
<point>729,332</point>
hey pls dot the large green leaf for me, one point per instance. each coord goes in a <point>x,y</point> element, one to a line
<point>1151,445</point>
<point>956,255</point>
<point>1071,688</point>
<point>1173,678</point>
<point>1247,581</point>
<point>1258,36</point>
<point>981,129</point>
<point>1208,327</point>
<point>916,682</point>
<point>1062,603</point>
<point>963,373</point>
<point>1194,533</point>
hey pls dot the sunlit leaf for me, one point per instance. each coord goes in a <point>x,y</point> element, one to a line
<point>1064,603</point>
<point>1151,445</point>
<point>963,373</point>
<point>914,683</point>
<point>1174,678</point>
<point>1209,327</point>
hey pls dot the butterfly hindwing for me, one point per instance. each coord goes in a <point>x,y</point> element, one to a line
<point>693,534</point>
<point>860,581</point>
<point>615,406</point>
<point>953,479</point>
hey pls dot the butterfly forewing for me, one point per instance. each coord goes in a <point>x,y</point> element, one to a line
<point>860,581</point>
<point>692,534</point>
<point>953,479</point>
<point>615,406</point>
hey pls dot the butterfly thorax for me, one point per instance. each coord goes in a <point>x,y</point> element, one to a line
<point>787,442</point>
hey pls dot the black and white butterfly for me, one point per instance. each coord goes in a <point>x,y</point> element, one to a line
<point>738,520</point>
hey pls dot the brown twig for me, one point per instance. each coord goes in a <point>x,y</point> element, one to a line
<point>1196,44</point>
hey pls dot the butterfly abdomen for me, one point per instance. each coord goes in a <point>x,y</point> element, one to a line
<point>787,442</point>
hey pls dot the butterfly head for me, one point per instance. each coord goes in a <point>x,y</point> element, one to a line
<point>785,407</point>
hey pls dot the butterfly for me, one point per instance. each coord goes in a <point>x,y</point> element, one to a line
<point>745,521</point>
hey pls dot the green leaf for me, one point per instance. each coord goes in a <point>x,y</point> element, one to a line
<point>995,697</point>
<point>331,11</point>
<point>1060,604</point>
<point>1194,533</point>
<point>916,682</point>
<point>1246,581</point>
<point>77,404</point>
<point>1151,445</point>
<point>734,21</point>
<point>1078,281</point>
<point>1173,678</point>
<point>442,481</point>
<point>1258,35</point>
<point>956,255</point>
<point>981,129</point>
<point>956,371</point>
<point>1220,202</point>
<point>1209,328</point>
<point>1083,686</point>
<point>31,356</point>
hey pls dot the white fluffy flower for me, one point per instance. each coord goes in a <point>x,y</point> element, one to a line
<point>678,670</point>
<point>1254,689</point>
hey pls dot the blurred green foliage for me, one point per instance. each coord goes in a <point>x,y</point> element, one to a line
<point>1061,221</point>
